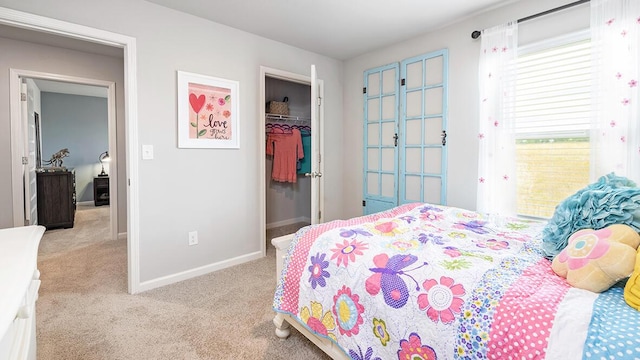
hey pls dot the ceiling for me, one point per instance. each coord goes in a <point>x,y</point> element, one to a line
<point>336,28</point>
<point>341,29</point>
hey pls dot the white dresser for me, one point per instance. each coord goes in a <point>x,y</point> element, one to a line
<point>19,284</point>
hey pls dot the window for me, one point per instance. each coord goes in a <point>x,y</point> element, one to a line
<point>553,112</point>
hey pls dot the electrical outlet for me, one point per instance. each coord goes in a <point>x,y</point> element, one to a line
<point>193,238</point>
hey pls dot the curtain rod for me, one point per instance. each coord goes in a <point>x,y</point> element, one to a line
<point>476,33</point>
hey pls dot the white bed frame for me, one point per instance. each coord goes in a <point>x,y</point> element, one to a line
<point>282,321</point>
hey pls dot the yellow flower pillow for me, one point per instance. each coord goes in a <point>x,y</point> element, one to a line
<point>596,259</point>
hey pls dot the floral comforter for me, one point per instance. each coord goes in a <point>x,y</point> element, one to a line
<point>423,281</point>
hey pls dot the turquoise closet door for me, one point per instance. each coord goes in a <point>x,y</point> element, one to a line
<point>380,90</point>
<point>423,124</point>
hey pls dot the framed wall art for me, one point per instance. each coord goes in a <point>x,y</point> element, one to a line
<point>208,112</point>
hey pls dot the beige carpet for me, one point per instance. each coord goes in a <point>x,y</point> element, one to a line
<point>85,313</point>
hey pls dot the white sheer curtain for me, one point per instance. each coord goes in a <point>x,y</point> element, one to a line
<point>615,136</point>
<point>496,158</point>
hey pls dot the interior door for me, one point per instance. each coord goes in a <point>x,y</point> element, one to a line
<point>27,112</point>
<point>423,151</point>
<point>380,138</point>
<point>317,115</point>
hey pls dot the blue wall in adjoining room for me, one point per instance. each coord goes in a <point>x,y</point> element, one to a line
<point>80,124</point>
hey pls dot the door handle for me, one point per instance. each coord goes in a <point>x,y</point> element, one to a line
<point>444,137</point>
<point>313,174</point>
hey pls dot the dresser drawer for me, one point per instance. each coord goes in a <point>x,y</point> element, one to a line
<point>19,285</point>
<point>19,342</point>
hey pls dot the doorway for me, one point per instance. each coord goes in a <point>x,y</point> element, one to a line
<point>66,89</point>
<point>302,200</point>
<point>288,195</point>
<point>127,44</point>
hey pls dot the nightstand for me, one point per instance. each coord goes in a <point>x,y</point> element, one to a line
<point>101,190</point>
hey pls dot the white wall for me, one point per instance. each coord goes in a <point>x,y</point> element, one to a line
<point>215,192</point>
<point>462,132</point>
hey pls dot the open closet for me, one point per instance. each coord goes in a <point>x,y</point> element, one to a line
<point>288,153</point>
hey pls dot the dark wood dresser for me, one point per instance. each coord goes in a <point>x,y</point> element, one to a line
<point>56,199</point>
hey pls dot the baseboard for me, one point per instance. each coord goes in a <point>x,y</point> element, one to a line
<point>288,222</point>
<point>85,203</point>
<point>203,270</point>
<point>122,235</point>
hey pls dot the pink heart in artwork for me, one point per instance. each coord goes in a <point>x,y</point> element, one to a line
<point>196,102</point>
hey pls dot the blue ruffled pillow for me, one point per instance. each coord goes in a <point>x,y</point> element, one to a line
<point>610,200</point>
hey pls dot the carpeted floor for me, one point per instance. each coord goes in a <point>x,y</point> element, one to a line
<point>84,311</point>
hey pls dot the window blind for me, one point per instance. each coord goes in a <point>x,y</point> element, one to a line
<point>553,91</point>
<point>552,111</point>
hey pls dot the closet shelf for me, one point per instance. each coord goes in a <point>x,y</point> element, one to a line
<point>279,117</point>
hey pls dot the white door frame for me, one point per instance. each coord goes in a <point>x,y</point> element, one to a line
<point>17,151</point>
<point>301,79</point>
<point>128,44</point>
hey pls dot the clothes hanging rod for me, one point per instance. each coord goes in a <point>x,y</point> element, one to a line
<point>476,34</point>
<point>279,117</point>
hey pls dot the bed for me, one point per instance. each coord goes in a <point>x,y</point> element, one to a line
<point>424,281</point>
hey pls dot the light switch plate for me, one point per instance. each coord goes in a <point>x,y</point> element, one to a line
<point>147,152</point>
<point>193,238</point>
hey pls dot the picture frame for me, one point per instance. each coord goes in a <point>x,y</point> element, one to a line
<point>208,112</point>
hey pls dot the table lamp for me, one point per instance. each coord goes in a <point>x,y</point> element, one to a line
<point>104,157</point>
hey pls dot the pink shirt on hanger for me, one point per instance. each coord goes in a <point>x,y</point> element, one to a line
<point>286,150</point>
